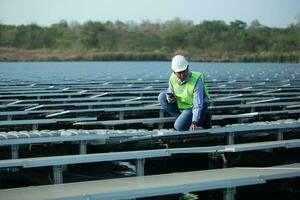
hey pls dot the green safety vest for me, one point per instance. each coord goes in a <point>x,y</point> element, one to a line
<point>184,93</point>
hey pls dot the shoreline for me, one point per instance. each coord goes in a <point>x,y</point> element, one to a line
<point>86,55</point>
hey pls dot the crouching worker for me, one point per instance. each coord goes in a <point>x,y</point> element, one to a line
<point>187,97</point>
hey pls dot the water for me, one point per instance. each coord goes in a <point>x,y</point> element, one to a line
<point>48,72</point>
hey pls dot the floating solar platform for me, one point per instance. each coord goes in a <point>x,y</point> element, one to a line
<point>155,185</point>
<point>115,113</point>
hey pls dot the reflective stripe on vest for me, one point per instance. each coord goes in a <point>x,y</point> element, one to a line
<point>184,93</point>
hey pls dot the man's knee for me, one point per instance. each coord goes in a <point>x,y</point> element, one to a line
<point>181,126</point>
<point>162,97</point>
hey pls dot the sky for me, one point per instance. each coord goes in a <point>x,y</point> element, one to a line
<point>272,13</point>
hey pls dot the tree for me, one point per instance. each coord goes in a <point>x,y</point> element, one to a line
<point>238,24</point>
<point>90,34</point>
<point>255,24</point>
<point>174,33</point>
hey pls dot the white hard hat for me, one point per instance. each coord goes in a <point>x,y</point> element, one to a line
<point>179,63</point>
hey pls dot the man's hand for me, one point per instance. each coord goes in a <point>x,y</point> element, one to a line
<point>171,98</point>
<point>193,126</point>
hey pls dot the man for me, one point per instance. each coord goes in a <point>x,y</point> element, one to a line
<point>187,97</point>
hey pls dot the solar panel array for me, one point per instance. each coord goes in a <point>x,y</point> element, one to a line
<point>106,112</point>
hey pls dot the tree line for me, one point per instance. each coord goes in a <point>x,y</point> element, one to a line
<point>207,40</point>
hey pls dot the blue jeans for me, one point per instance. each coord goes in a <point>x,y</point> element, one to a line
<point>183,118</point>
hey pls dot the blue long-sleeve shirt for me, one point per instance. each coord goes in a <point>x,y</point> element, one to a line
<point>198,97</point>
